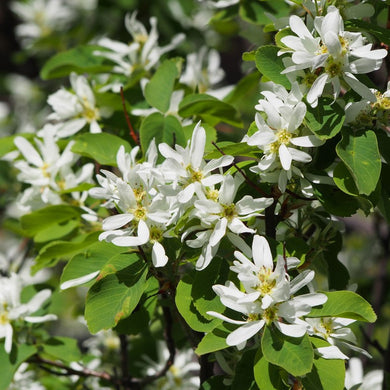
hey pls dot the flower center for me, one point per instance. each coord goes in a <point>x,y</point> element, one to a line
<point>156,234</point>
<point>89,113</point>
<point>283,138</point>
<point>333,67</point>
<point>229,211</point>
<point>212,194</point>
<point>270,315</point>
<point>267,281</point>
<point>139,213</point>
<point>4,318</point>
<point>195,175</point>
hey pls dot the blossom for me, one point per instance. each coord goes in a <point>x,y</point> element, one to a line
<point>268,297</point>
<point>336,55</point>
<point>336,332</point>
<point>142,53</point>
<point>11,308</point>
<point>144,213</point>
<point>279,133</point>
<point>40,18</point>
<point>49,172</point>
<point>187,168</point>
<point>221,214</point>
<point>75,109</point>
<point>203,72</point>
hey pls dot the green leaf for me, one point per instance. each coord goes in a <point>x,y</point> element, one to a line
<point>141,317</point>
<point>186,306</point>
<point>326,120</point>
<point>81,59</point>
<point>163,129</point>
<point>256,12</point>
<point>55,251</point>
<point>114,297</point>
<point>49,217</point>
<point>337,202</point>
<point>240,149</point>
<point>9,363</point>
<point>344,180</point>
<point>319,378</point>
<point>210,109</point>
<point>101,147</point>
<point>271,65</point>
<point>159,90</point>
<point>360,153</point>
<point>214,383</point>
<point>346,304</point>
<point>62,348</point>
<point>293,354</point>
<point>56,231</point>
<point>248,55</point>
<point>95,257</point>
<point>267,375</point>
<point>214,341</point>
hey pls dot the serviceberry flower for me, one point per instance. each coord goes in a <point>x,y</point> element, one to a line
<point>268,298</point>
<point>73,110</point>
<point>332,55</point>
<point>12,310</point>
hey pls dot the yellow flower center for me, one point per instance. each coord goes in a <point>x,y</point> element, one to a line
<point>89,113</point>
<point>194,174</point>
<point>212,194</point>
<point>156,234</point>
<point>333,67</point>
<point>229,211</point>
<point>270,315</point>
<point>267,281</point>
<point>283,138</point>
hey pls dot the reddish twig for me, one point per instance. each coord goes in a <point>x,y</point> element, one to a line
<point>133,134</point>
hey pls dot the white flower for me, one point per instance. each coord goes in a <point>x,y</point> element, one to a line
<point>285,315</point>
<point>203,72</point>
<point>40,18</point>
<point>25,379</point>
<point>75,109</point>
<point>338,54</point>
<point>336,332</point>
<point>49,173</point>
<point>278,134</point>
<point>187,168</point>
<point>144,213</point>
<point>11,309</point>
<point>142,53</point>
<point>221,215</point>
<point>268,297</point>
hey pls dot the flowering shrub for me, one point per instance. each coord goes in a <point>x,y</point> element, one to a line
<point>192,225</point>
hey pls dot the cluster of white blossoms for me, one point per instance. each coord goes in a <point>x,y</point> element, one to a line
<point>12,311</point>
<point>40,18</point>
<point>268,298</point>
<point>49,172</point>
<point>330,55</point>
<point>149,199</point>
<point>279,132</point>
<point>142,53</point>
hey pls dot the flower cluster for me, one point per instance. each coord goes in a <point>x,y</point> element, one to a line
<point>268,298</point>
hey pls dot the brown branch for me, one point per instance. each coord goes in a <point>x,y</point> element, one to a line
<point>247,179</point>
<point>133,134</point>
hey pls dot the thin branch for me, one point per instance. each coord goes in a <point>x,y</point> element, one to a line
<point>247,179</point>
<point>133,134</point>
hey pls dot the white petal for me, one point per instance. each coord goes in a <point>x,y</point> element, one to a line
<point>198,142</point>
<point>331,352</point>
<point>159,257</point>
<point>262,255</point>
<point>285,157</point>
<point>244,332</point>
<point>291,330</point>
<point>301,280</point>
<point>79,281</point>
